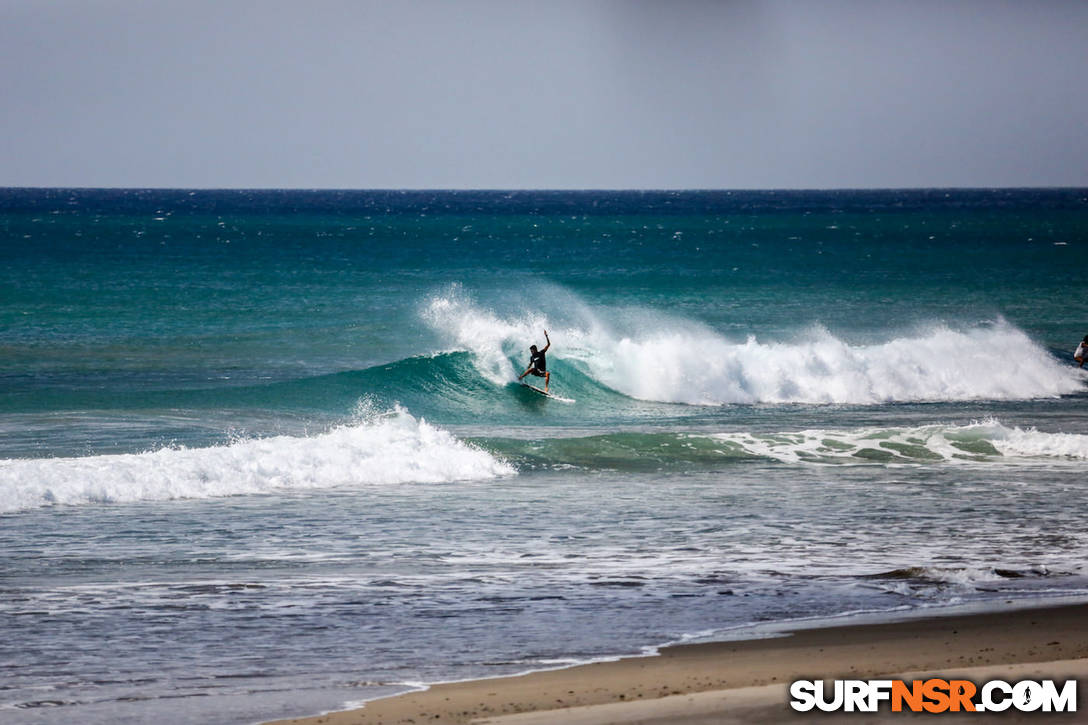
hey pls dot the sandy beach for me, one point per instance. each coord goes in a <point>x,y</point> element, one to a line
<point>746,681</point>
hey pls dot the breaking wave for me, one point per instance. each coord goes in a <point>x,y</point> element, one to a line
<point>983,442</point>
<point>652,357</point>
<point>978,442</point>
<point>388,448</point>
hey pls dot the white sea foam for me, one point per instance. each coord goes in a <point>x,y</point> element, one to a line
<point>655,357</point>
<point>986,441</point>
<point>1030,443</point>
<point>390,448</point>
<point>487,335</point>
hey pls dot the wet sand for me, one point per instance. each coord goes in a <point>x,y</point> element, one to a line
<point>745,681</point>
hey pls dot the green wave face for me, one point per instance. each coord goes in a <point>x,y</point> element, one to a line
<point>625,452</point>
<point>983,443</point>
<point>446,388</point>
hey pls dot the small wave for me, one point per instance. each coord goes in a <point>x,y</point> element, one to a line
<point>620,452</point>
<point>653,357</point>
<point>929,582</point>
<point>978,442</point>
<point>388,448</point>
<point>960,575</point>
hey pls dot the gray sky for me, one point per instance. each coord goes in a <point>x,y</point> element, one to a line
<point>544,94</point>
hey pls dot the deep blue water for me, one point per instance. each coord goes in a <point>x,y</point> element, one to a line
<point>264,452</point>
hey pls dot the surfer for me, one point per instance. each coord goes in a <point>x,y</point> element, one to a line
<point>1082,351</point>
<point>538,364</point>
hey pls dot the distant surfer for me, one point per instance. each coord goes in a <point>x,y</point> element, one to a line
<point>538,364</point>
<point>1082,351</point>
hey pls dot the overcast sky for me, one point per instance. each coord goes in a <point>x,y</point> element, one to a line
<point>544,94</point>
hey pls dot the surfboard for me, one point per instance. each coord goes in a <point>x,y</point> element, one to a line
<point>533,387</point>
<point>546,395</point>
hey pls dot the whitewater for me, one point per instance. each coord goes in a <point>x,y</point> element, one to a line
<point>391,448</point>
<point>642,356</point>
<point>399,449</point>
<point>654,357</point>
<point>263,454</point>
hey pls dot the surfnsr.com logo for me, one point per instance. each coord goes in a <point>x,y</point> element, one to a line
<point>934,696</point>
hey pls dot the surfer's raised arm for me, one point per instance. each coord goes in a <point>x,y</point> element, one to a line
<point>547,341</point>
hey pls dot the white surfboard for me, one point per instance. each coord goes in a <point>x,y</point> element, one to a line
<point>547,395</point>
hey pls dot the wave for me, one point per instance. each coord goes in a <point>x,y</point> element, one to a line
<point>961,574</point>
<point>652,357</point>
<point>927,582</point>
<point>394,448</point>
<point>388,448</point>
<point>447,386</point>
<point>629,452</point>
<point>980,443</point>
<point>631,364</point>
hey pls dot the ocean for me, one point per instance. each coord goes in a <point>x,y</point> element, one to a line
<point>264,453</point>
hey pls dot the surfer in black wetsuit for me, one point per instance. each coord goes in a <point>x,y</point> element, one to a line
<point>538,364</point>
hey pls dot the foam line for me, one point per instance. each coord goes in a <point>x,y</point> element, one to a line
<point>391,448</point>
<point>982,442</point>
<point>654,357</point>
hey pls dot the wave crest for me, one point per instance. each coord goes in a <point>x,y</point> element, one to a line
<point>388,448</point>
<point>653,357</point>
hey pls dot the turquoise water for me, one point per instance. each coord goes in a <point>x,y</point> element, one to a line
<point>264,453</point>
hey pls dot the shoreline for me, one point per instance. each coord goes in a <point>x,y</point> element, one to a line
<point>745,679</point>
